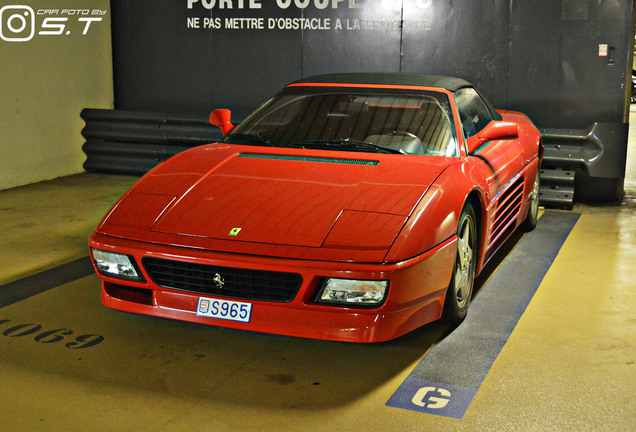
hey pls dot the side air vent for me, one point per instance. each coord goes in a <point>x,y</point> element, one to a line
<point>506,211</point>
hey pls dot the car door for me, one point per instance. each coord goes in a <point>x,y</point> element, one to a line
<point>499,160</point>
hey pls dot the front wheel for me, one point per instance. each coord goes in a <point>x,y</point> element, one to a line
<point>460,289</point>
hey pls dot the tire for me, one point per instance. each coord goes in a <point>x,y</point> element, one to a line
<point>460,290</point>
<point>530,222</point>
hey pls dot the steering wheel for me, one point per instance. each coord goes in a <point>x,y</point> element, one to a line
<point>403,133</point>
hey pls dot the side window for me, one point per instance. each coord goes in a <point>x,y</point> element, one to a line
<point>473,111</point>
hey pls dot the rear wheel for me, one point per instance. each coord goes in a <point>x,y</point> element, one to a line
<point>460,289</point>
<point>530,221</point>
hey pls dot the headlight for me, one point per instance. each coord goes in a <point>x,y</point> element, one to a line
<point>353,292</point>
<point>115,265</point>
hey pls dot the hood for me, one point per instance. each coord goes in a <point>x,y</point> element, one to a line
<point>272,196</point>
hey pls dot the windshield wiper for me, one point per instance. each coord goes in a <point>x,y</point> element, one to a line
<point>346,144</point>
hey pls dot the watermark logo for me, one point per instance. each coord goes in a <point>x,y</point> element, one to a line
<point>18,22</point>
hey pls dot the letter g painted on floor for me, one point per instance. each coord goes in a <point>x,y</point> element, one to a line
<point>423,399</point>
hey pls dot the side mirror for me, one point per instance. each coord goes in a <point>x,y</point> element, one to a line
<point>223,119</point>
<point>495,130</point>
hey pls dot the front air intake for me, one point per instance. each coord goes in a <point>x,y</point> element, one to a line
<point>223,281</point>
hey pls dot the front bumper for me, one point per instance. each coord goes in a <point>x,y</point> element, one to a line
<point>416,294</point>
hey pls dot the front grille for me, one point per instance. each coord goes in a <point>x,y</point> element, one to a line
<point>223,281</point>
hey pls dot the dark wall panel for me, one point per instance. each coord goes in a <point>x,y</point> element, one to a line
<point>156,66</point>
<point>463,38</point>
<point>556,72</point>
<point>161,65</point>
<point>248,66</point>
<point>368,40</point>
<point>542,57</point>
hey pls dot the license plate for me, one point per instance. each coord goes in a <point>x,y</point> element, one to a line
<point>224,309</point>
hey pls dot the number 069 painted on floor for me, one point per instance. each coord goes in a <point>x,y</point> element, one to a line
<point>224,309</point>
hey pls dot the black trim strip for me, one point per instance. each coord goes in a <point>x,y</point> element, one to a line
<point>309,158</point>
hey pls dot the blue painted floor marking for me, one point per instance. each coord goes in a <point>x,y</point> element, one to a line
<point>433,398</point>
<point>22,289</point>
<point>448,377</point>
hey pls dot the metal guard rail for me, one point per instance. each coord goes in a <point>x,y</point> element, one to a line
<point>133,142</point>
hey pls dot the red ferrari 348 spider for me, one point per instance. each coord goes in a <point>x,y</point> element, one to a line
<point>350,207</point>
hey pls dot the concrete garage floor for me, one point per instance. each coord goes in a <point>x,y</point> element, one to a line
<point>67,363</point>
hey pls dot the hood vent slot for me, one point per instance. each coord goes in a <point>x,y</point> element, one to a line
<point>309,158</point>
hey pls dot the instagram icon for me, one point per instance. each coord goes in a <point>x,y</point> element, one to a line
<point>17,23</point>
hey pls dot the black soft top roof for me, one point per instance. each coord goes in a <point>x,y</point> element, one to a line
<point>445,82</point>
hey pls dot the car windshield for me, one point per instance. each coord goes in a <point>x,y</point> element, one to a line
<point>367,120</point>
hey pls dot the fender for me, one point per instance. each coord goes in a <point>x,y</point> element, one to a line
<point>435,217</point>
